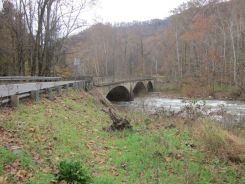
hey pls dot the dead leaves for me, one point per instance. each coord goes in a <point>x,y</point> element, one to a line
<point>16,170</point>
<point>8,140</point>
<point>5,114</point>
<point>167,159</point>
<point>99,160</point>
<point>3,180</point>
<point>114,171</point>
<point>171,156</point>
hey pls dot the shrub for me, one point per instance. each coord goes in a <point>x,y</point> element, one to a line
<point>195,109</point>
<point>235,92</point>
<point>73,173</point>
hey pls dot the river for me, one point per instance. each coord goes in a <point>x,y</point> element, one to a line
<point>153,102</point>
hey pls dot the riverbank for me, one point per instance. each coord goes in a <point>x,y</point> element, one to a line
<point>36,138</point>
<point>199,91</point>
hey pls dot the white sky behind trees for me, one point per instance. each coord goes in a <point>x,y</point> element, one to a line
<point>115,11</point>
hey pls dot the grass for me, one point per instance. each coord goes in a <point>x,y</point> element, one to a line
<point>70,128</point>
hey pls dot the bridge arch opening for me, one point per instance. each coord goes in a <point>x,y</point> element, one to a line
<point>119,93</point>
<point>149,86</point>
<point>139,89</point>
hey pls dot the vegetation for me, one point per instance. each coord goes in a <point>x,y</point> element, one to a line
<point>48,140</point>
<point>73,172</point>
<point>33,32</point>
<point>201,44</point>
<point>201,90</point>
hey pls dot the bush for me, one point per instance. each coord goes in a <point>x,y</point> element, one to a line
<point>73,173</point>
<point>235,92</point>
<point>195,109</point>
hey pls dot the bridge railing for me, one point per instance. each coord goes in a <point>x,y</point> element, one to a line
<point>14,92</point>
<point>11,79</point>
<point>106,80</point>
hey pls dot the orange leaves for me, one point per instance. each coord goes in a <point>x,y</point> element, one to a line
<point>200,27</point>
<point>213,55</point>
<point>193,36</point>
<point>202,23</point>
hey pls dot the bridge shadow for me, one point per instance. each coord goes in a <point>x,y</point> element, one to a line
<point>149,86</point>
<point>119,93</point>
<point>139,89</point>
<point>127,91</point>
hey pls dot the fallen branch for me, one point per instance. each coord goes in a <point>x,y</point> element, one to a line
<point>118,123</point>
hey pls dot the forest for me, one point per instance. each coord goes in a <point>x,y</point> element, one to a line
<point>32,34</point>
<point>201,43</point>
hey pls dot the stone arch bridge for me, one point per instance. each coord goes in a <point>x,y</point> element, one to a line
<point>125,90</point>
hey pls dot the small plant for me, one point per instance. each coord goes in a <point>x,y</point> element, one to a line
<point>73,173</point>
<point>195,109</point>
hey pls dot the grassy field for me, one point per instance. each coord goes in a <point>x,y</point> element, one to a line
<point>35,138</point>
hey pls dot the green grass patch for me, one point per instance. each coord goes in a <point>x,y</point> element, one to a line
<point>71,128</point>
<point>8,157</point>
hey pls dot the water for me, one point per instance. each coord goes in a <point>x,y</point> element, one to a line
<point>153,103</point>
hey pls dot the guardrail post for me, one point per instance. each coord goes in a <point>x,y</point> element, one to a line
<point>35,95</point>
<point>59,90</point>
<point>14,100</point>
<point>81,85</point>
<point>50,94</point>
<point>91,85</point>
<point>74,85</point>
<point>66,87</point>
<point>78,86</point>
<point>86,86</point>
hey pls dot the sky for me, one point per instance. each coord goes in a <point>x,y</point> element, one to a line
<point>115,11</point>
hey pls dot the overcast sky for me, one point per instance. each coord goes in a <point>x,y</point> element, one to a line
<point>114,11</point>
<point>129,10</point>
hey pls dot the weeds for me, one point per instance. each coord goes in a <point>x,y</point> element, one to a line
<point>73,172</point>
<point>71,127</point>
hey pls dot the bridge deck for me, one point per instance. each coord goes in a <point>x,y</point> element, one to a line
<point>120,82</point>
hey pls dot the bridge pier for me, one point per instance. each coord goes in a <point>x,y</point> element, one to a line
<point>131,94</point>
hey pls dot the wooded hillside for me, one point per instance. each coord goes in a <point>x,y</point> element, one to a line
<point>32,33</point>
<point>203,41</point>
